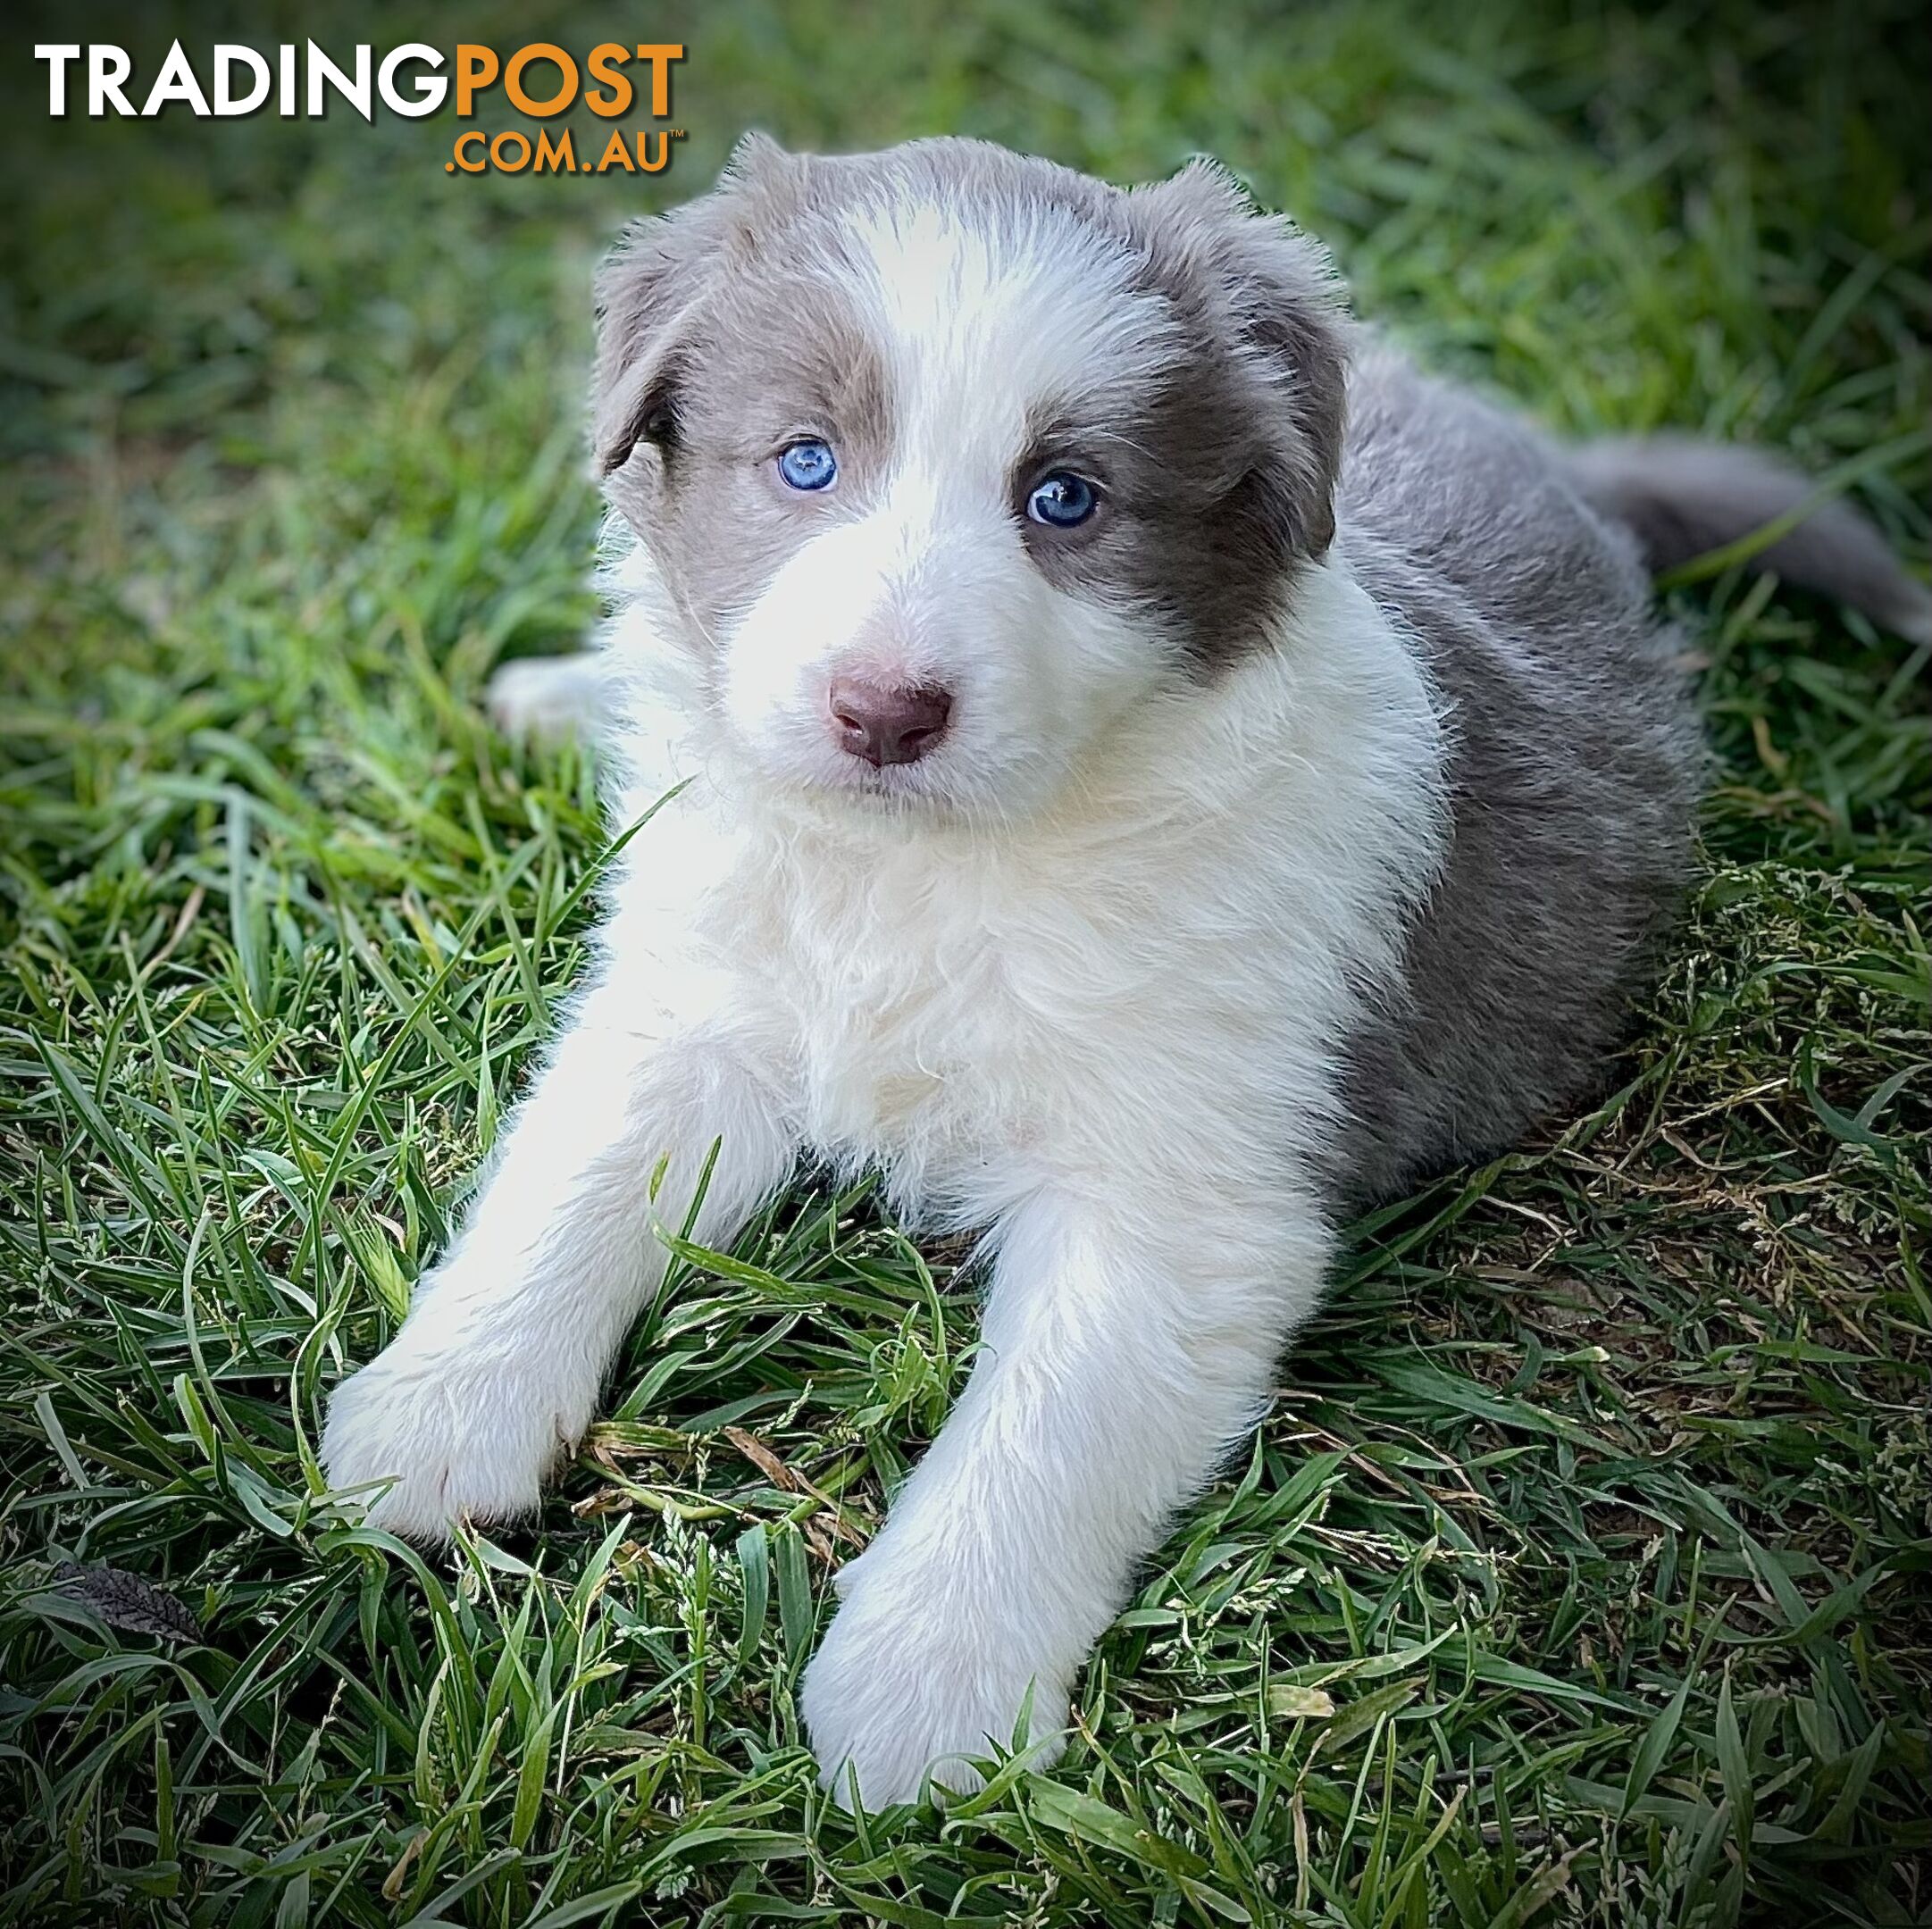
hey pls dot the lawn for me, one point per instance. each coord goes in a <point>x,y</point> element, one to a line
<point>1581,1572</point>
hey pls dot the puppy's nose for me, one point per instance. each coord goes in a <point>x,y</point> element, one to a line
<point>886,724</point>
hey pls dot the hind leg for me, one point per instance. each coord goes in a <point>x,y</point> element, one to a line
<point>550,699</point>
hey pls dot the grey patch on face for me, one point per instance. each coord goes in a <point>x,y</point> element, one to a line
<point>722,317</point>
<point>1220,469</point>
<point>725,333</point>
<point>1185,529</point>
<point>1575,765</point>
<point>721,524</point>
<point>1217,467</point>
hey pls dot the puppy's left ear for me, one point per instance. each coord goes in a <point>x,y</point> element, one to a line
<point>652,284</point>
<point>1275,293</point>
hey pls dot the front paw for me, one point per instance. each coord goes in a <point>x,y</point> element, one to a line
<point>911,1682</point>
<point>460,1435</point>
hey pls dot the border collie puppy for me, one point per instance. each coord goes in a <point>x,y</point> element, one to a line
<point>1158,774</point>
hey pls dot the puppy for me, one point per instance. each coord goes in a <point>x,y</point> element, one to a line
<point>1159,773</point>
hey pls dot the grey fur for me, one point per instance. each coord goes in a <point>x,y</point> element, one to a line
<point>1577,756</point>
<point>1575,769</point>
<point>1685,498</point>
<point>703,368</point>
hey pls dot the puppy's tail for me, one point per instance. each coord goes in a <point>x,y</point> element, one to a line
<point>1685,500</point>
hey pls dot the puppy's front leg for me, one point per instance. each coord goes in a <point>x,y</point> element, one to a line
<point>1128,1343</point>
<point>496,1372</point>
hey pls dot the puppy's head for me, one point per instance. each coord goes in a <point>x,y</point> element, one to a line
<point>947,460</point>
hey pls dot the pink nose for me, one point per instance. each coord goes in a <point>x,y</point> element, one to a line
<point>885,724</point>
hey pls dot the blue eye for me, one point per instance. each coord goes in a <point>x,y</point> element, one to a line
<point>809,465</point>
<point>1062,500</point>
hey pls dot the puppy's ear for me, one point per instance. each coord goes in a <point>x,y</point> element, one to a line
<point>649,289</point>
<point>1274,292</point>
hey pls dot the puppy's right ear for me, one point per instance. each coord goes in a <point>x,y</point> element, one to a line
<point>651,289</point>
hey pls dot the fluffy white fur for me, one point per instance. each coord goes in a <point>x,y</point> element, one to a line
<point>1078,978</point>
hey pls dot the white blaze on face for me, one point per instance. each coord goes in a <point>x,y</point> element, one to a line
<point>985,336</point>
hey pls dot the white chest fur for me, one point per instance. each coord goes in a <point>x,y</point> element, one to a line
<point>1182,942</point>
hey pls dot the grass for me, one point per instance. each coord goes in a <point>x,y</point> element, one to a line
<point>1580,1574</point>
